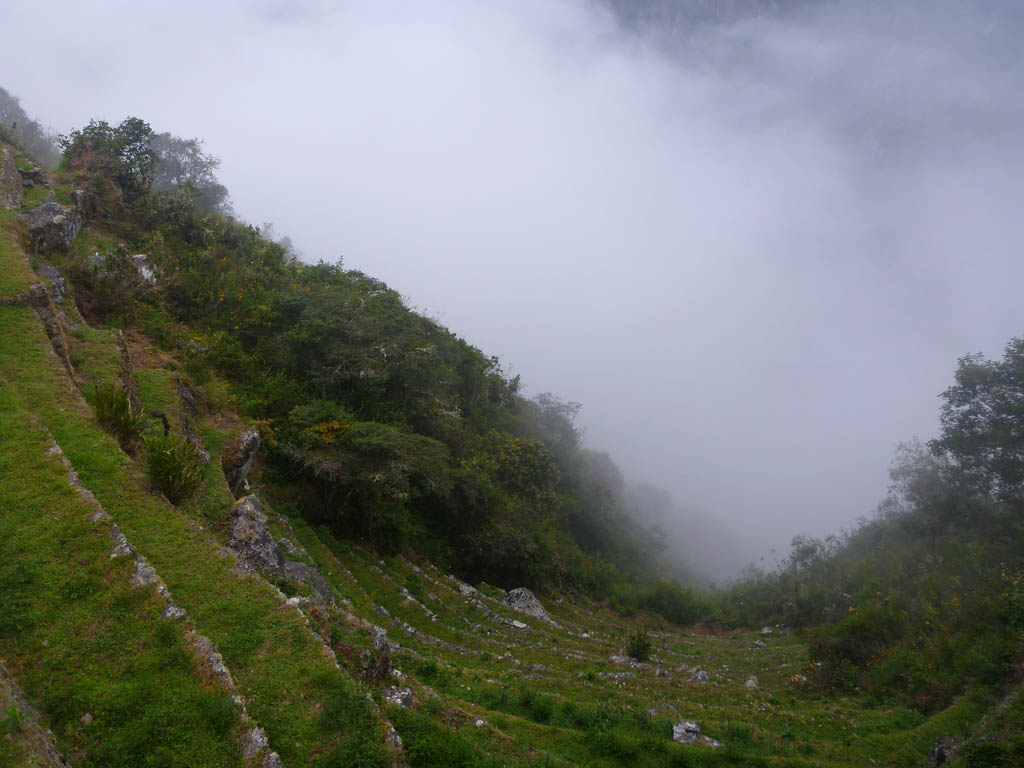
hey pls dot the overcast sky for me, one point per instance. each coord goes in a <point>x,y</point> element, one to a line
<point>753,248</point>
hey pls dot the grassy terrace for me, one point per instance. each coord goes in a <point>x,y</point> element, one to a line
<point>79,639</point>
<point>310,711</point>
<point>553,699</point>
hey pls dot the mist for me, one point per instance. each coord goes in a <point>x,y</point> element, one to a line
<point>753,243</point>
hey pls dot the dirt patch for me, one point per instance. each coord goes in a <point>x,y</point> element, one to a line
<point>143,351</point>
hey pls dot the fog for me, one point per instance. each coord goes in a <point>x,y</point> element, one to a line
<point>751,242</point>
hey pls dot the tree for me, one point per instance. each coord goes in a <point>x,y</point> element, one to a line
<point>182,165</point>
<point>982,422</point>
<point>124,153</point>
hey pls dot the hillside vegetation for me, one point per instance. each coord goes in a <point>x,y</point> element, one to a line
<point>245,497</point>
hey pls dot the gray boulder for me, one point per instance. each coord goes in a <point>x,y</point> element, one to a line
<point>688,732</point>
<point>10,181</point>
<point>237,462</point>
<point>250,539</point>
<point>699,676</point>
<point>524,601</point>
<point>52,226</point>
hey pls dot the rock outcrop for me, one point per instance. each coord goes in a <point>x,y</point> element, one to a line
<point>237,462</point>
<point>52,226</point>
<point>257,550</point>
<point>524,601</point>
<point>10,181</point>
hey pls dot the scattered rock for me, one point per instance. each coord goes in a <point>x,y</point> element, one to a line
<point>463,588</point>
<point>797,680</point>
<point>52,226</point>
<point>86,719</point>
<point>688,732</point>
<point>699,676</point>
<point>399,696</point>
<point>617,676</point>
<point>662,672</point>
<point>10,181</point>
<point>237,462</point>
<point>524,601</point>
<point>766,631</point>
<point>479,722</point>
<point>760,644</point>
<point>751,684</point>
<point>945,750</point>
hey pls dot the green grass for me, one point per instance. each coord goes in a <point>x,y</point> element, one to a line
<point>79,638</point>
<point>16,274</point>
<point>33,196</point>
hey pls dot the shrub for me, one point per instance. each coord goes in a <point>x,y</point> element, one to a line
<point>638,646</point>
<point>15,720</point>
<point>114,412</point>
<point>173,466</point>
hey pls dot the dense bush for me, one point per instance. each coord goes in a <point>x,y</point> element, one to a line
<point>173,466</point>
<point>638,646</point>
<point>114,412</point>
